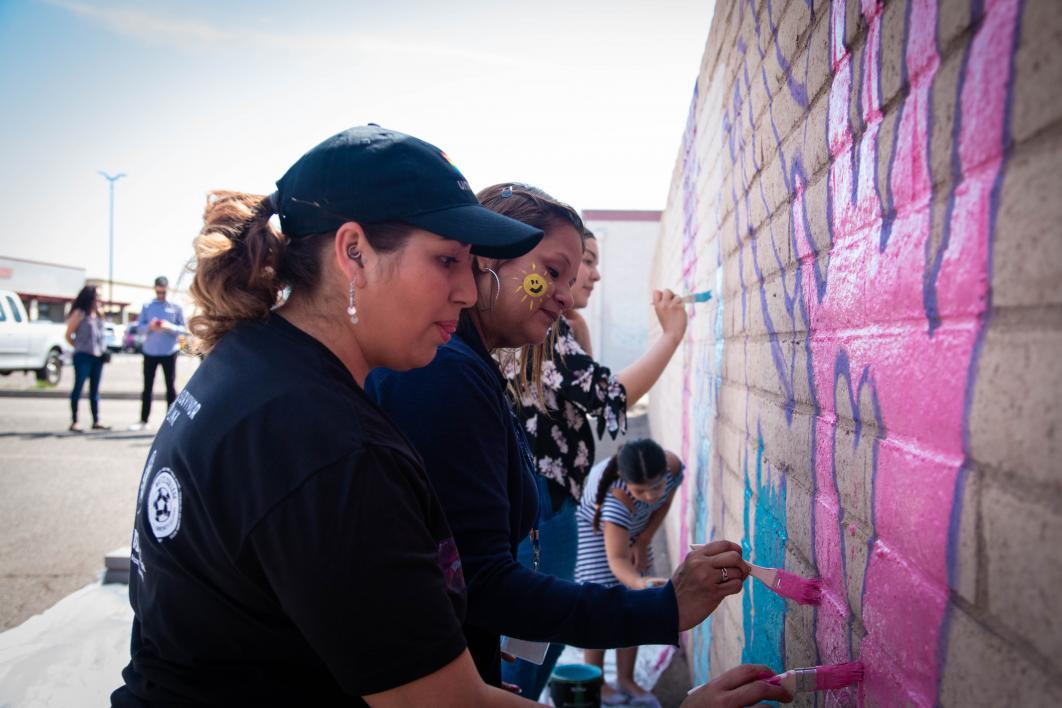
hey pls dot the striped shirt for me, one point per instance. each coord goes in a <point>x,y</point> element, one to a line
<point>591,564</point>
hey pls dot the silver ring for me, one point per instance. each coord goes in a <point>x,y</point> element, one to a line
<point>726,575</point>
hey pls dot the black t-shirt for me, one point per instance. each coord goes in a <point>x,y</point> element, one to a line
<point>288,548</point>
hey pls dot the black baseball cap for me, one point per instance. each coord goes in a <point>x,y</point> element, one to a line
<point>371,174</point>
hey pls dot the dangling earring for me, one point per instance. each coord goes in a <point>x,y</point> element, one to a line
<point>352,310</point>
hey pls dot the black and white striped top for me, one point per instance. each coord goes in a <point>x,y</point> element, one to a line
<point>591,564</point>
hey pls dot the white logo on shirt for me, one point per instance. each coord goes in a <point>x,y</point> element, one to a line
<point>164,504</point>
<point>144,478</point>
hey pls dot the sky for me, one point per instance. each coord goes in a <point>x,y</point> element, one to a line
<point>584,98</point>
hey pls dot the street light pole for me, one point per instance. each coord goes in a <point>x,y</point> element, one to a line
<point>111,179</point>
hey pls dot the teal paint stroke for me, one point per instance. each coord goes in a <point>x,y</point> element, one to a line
<point>705,411</point>
<point>763,543</point>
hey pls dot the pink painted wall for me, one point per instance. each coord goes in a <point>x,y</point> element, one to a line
<point>840,186</point>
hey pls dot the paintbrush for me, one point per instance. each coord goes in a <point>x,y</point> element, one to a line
<point>819,678</point>
<point>697,297</point>
<point>805,591</point>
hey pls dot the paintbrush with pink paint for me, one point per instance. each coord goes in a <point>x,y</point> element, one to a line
<point>819,678</point>
<point>805,591</point>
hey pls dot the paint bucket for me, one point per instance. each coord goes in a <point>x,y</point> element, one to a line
<point>576,686</point>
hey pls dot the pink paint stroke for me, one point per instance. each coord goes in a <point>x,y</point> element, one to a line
<point>873,312</point>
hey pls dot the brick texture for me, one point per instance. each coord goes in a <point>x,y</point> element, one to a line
<point>871,191</point>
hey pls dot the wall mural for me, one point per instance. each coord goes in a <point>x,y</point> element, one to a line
<point>894,316</point>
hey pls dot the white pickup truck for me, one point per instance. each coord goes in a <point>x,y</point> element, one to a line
<point>29,346</point>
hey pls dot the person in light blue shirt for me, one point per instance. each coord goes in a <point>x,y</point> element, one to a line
<point>164,322</point>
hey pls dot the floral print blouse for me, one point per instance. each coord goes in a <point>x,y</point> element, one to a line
<point>575,386</point>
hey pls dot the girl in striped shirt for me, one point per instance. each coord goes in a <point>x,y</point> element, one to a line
<point>625,499</point>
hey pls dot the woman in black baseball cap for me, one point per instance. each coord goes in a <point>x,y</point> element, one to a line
<point>288,547</point>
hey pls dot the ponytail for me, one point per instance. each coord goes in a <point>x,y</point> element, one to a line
<point>242,264</point>
<point>608,476</point>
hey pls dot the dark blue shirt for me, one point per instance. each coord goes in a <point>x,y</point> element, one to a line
<point>456,413</point>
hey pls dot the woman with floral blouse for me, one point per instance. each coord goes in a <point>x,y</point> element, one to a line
<point>575,387</point>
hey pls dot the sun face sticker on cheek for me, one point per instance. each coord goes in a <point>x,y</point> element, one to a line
<point>533,285</point>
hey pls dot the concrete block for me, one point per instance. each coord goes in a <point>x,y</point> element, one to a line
<point>727,236</point>
<point>1037,64</point>
<point>799,638</point>
<point>853,24</point>
<point>1015,417</point>
<point>953,19</point>
<point>856,551</point>
<point>803,387</point>
<point>795,27</point>
<point>758,94</point>
<point>817,53</point>
<point>983,669</point>
<point>730,442</point>
<point>893,51</point>
<point>775,189</point>
<point>901,511</point>
<point>772,244</point>
<point>729,331</point>
<point>854,474</point>
<point>890,123</point>
<point>783,115</point>
<point>757,203</point>
<point>1024,567</point>
<point>783,301</point>
<point>813,216</point>
<point>814,151</point>
<point>968,551</point>
<point>799,526</point>
<point>734,363</point>
<point>945,103</point>
<point>733,399</point>
<point>1027,248</point>
<point>787,444</point>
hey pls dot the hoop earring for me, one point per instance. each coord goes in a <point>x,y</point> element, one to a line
<point>352,310</point>
<point>497,281</point>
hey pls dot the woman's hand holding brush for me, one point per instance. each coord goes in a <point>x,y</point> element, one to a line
<point>741,686</point>
<point>709,574</point>
<point>806,591</point>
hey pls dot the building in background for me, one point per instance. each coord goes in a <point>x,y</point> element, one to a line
<point>130,297</point>
<point>46,289</point>
<point>619,312</point>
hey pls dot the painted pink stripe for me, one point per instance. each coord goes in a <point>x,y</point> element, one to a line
<point>873,312</point>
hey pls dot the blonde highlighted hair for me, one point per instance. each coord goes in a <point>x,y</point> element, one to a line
<point>242,265</point>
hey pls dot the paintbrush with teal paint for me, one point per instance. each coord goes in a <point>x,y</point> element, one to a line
<point>697,297</point>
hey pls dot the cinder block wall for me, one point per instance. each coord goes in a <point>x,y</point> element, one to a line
<point>873,193</point>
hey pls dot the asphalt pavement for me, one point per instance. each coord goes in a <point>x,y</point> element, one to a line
<point>66,499</point>
<point>123,378</point>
